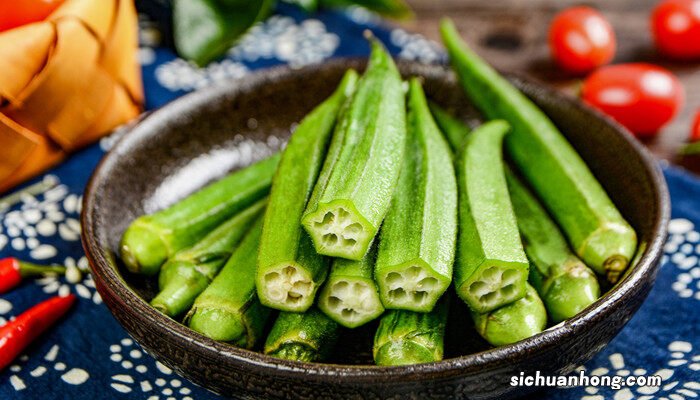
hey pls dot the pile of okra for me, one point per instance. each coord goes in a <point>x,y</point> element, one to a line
<point>381,202</point>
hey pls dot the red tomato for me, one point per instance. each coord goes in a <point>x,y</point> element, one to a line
<point>676,27</point>
<point>581,39</point>
<point>642,97</point>
<point>14,13</point>
<point>695,130</point>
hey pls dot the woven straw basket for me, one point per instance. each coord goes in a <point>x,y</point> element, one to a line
<point>65,82</point>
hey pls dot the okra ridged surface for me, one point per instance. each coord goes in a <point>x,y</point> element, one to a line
<point>309,336</point>
<point>418,237</point>
<point>355,187</point>
<point>565,284</point>
<point>151,239</point>
<point>229,310</point>
<point>350,295</point>
<point>594,227</point>
<point>491,268</point>
<point>183,277</point>
<point>408,337</point>
<point>289,269</point>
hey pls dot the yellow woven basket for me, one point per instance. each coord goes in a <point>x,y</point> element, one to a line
<point>65,82</point>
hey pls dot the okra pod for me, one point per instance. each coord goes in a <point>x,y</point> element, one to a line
<point>151,239</point>
<point>593,225</point>
<point>356,184</point>
<point>565,284</point>
<point>417,240</point>
<point>513,322</point>
<point>408,337</point>
<point>289,269</point>
<point>491,269</point>
<point>350,296</point>
<point>307,337</point>
<point>229,310</point>
<point>183,277</point>
<point>455,131</point>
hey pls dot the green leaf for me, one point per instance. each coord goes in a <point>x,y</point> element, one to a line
<point>206,29</point>
<point>388,8</point>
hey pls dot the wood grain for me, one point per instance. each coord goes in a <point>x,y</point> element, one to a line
<point>512,35</point>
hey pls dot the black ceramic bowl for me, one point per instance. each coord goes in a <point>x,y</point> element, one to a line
<point>202,136</point>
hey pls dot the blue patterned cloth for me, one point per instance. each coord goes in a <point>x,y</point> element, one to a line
<point>89,356</point>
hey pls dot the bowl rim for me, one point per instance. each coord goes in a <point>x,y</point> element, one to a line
<point>109,280</point>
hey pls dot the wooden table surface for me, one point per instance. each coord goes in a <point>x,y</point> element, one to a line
<point>512,35</point>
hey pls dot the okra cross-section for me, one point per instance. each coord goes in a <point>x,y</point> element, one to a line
<point>417,240</point>
<point>289,269</point>
<point>356,184</point>
<point>491,268</point>
<point>350,296</point>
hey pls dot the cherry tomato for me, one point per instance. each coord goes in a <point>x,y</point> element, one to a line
<point>676,28</point>
<point>14,13</point>
<point>695,130</point>
<point>581,39</point>
<point>642,97</point>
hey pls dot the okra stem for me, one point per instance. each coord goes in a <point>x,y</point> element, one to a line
<point>350,296</point>
<point>513,322</point>
<point>151,239</point>
<point>407,337</point>
<point>594,227</point>
<point>307,337</point>
<point>491,269</point>
<point>289,269</point>
<point>418,237</point>
<point>183,277</point>
<point>356,184</point>
<point>565,284</point>
<point>229,310</point>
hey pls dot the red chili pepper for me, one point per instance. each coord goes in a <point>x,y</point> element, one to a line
<point>13,270</point>
<point>16,335</point>
<point>695,129</point>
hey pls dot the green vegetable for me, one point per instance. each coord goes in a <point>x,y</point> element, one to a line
<point>206,29</point>
<point>190,271</point>
<point>350,297</point>
<point>306,5</point>
<point>356,184</point>
<point>516,321</point>
<point>307,337</point>
<point>592,224</point>
<point>228,310</point>
<point>407,337</point>
<point>417,243</point>
<point>389,8</point>
<point>152,239</point>
<point>563,281</point>
<point>455,131</point>
<point>289,269</point>
<point>491,269</point>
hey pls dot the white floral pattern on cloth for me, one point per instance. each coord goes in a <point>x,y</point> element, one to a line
<point>680,355</point>
<point>683,250</point>
<point>21,377</point>
<point>62,286</point>
<point>40,219</point>
<point>282,38</point>
<point>179,74</point>
<point>416,47</point>
<point>133,379</point>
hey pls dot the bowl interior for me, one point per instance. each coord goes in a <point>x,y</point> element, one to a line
<point>203,136</point>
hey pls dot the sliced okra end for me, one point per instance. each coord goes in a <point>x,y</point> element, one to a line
<point>351,302</point>
<point>614,268</point>
<point>339,230</point>
<point>411,286</point>
<point>295,352</point>
<point>287,287</point>
<point>491,287</point>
